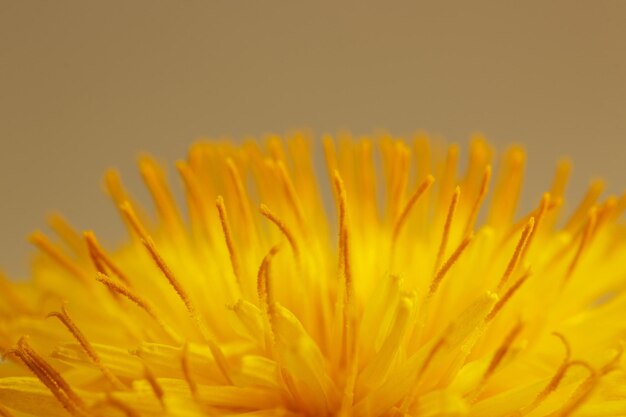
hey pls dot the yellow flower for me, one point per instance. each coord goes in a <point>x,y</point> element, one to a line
<point>408,297</point>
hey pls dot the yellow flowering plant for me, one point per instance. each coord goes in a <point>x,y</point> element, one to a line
<point>419,292</point>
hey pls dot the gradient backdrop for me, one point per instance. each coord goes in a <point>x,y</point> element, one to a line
<point>87,85</point>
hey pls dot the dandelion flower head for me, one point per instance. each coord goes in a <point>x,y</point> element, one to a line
<point>397,282</point>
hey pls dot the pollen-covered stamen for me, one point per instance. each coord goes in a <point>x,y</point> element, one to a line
<point>41,241</point>
<point>584,242</point>
<point>67,321</point>
<point>266,297</point>
<point>228,238</point>
<point>402,218</point>
<point>507,296</point>
<point>51,378</point>
<point>184,365</point>
<point>434,285</point>
<point>264,290</point>
<point>144,304</point>
<point>446,228</point>
<point>268,214</point>
<point>101,260</point>
<point>180,291</point>
<point>150,246</point>
<point>519,248</point>
<point>480,197</point>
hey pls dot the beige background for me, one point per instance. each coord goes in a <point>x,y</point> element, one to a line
<point>86,85</point>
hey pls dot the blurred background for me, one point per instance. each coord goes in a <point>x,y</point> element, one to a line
<point>88,85</point>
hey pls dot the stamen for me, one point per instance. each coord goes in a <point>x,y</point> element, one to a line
<point>67,321</point>
<point>582,393</point>
<point>506,194</point>
<point>290,192</point>
<point>263,287</point>
<point>551,204</point>
<point>367,178</point>
<point>163,199</point>
<point>422,153</point>
<point>447,226</point>
<point>228,237</point>
<point>544,206</point>
<point>563,170</point>
<point>330,155</point>
<point>242,196</point>
<point>480,197</point>
<point>275,146</point>
<point>48,382</point>
<point>140,302</point>
<point>41,241</point>
<point>122,406</point>
<point>267,213</point>
<point>131,217</point>
<point>434,285</point>
<point>67,233</point>
<point>155,386</point>
<point>448,177</point>
<point>410,398</point>
<point>266,298</point>
<point>589,226</point>
<point>118,194</point>
<point>51,378</point>
<point>184,364</point>
<point>613,363</point>
<point>100,259</point>
<point>348,344</point>
<point>507,296</point>
<point>502,351</point>
<point>594,191</point>
<point>148,243</point>
<point>553,384</point>
<point>510,268</point>
<point>605,213</point>
<point>196,202</point>
<point>423,187</point>
<point>347,397</point>
<point>180,291</point>
<point>398,177</point>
